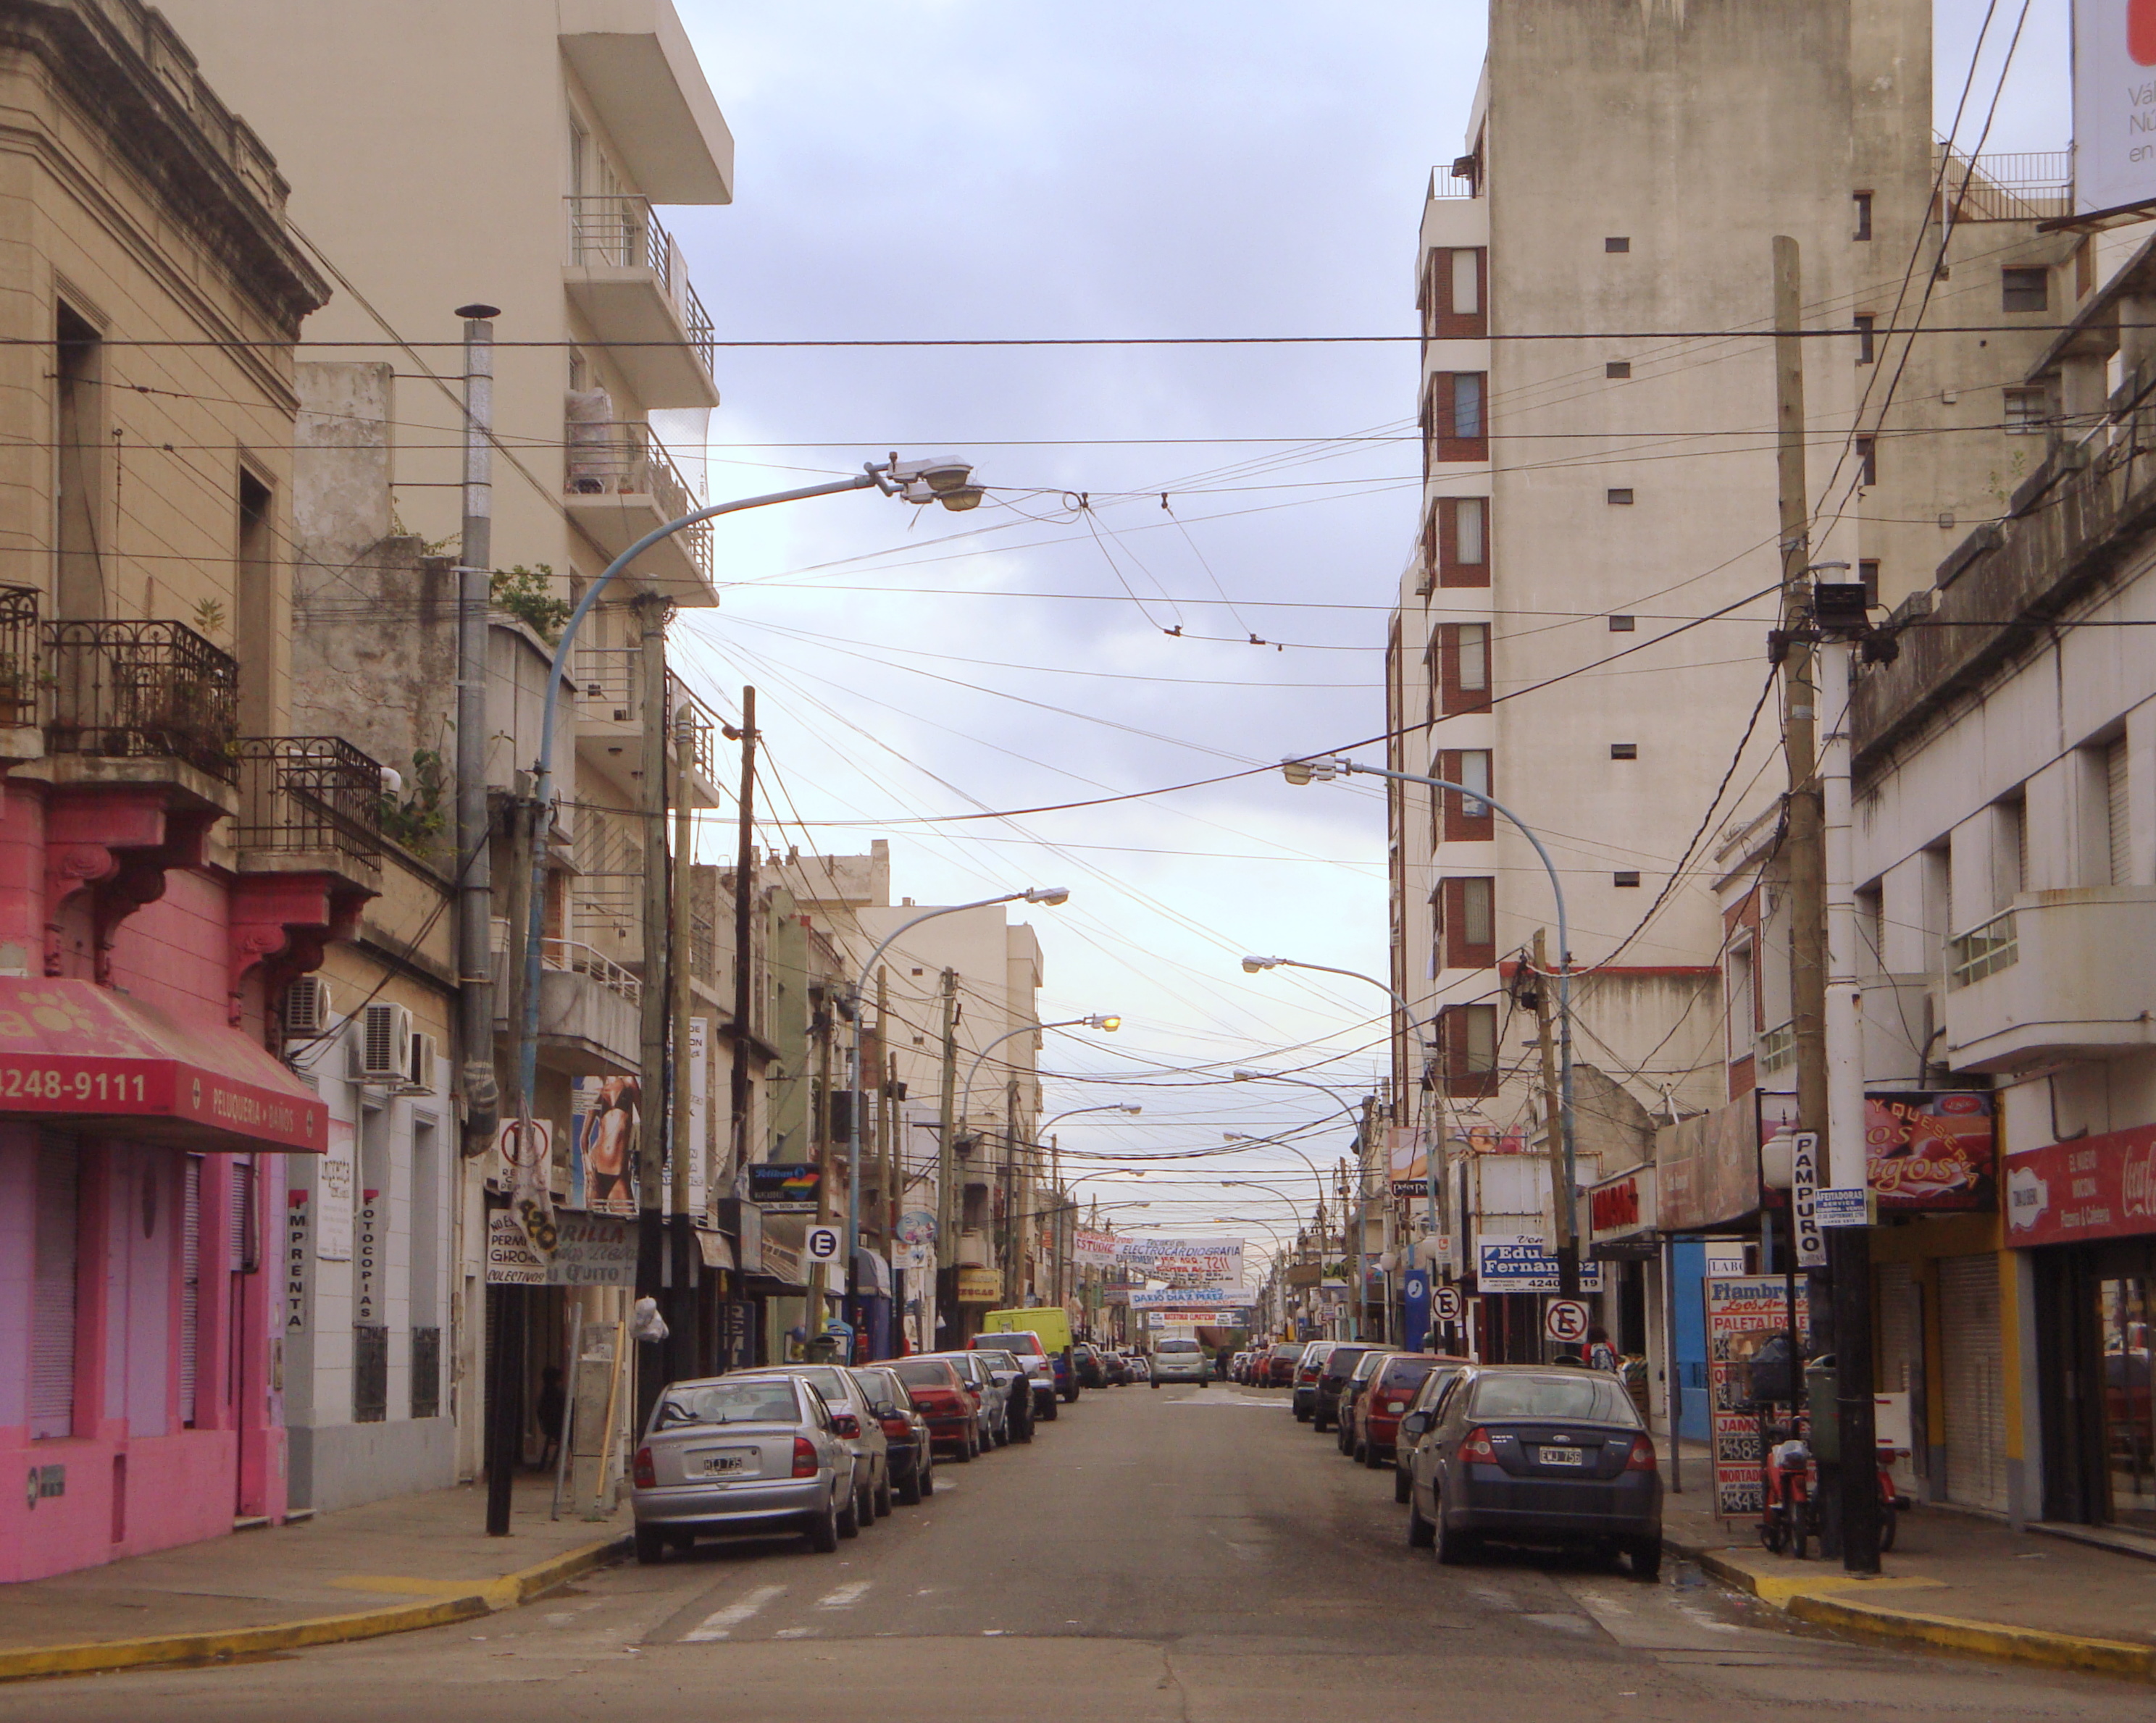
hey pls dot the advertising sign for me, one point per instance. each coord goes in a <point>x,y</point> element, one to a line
<point>589,1251</point>
<point>1216,1264</point>
<point>1709,1167</point>
<point>916,1240</point>
<point>979,1286</point>
<point>296,1261</point>
<point>2114,103</point>
<point>2093,1187</point>
<point>1743,1313</point>
<point>1090,1248</point>
<point>784,1187</point>
<point>1803,1198</point>
<point>1190,1298</point>
<point>1524,1265</point>
<point>1621,1206</point>
<point>1931,1151</point>
<point>335,1177</point>
<point>603,1136</point>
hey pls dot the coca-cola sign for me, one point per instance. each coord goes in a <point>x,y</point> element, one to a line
<point>2093,1187</point>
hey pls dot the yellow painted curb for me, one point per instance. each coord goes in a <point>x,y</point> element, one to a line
<point>1828,1605</point>
<point>1982,1638</point>
<point>481,1597</point>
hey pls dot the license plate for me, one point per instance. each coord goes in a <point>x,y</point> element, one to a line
<point>1396,1406</point>
<point>726,1466</point>
<point>1562,1457</point>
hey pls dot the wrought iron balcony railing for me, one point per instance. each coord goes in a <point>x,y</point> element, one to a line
<point>20,659</point>
<point>309,793</point>
<point>618,231</point>
<point>143,690</point>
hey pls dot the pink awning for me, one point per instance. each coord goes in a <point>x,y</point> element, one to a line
<point>85,1058</point>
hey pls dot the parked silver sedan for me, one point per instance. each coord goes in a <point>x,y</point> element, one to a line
<point>755,1453</point>
<point>858,1427</point>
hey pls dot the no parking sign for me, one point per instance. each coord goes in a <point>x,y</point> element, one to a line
<point>1564,1320</point>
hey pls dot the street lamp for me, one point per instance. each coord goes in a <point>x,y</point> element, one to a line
<point>1051,895</point>
<point>1254,964</point>
<point>942,479</point>
<point>1323,769</point>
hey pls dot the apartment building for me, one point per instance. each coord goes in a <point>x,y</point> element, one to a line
<point>175,855</point>
<point>1581,628</point>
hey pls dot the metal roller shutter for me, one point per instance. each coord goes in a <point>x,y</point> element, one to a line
<point>190,1287</point>
<point>2121,834</point>
<point>1900,1361</point>
<point>52,1293</point>
<point>1975,1388</point>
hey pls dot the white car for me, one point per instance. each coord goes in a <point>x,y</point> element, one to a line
<point>1180,1361</point>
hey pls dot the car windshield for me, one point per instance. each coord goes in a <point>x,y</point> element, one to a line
<point>1021,1340</point>
<point>1403,1373</point>
<point>737,1403</point>
<point>924,1374</point>
<point>1176,1346</point>
<point>1594,1398</point>
<point>999,1360</point>
<point>875,1386</point>
<point>827,1380</point>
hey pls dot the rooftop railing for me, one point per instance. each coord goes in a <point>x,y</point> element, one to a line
<point>2033,185</point>
<point>143,690</point>
<point>574,957</point>
<point>618,230</point>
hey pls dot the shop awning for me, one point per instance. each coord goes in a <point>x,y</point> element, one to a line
<point>79,1056</point>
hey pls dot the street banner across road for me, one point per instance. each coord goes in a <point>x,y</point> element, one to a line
<point>1214,1264</point>
<point>1092,1248</point>
<point>1179,1298</point>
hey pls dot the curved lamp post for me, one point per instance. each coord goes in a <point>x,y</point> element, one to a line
<point>1049,896</point>
<point>1323,769</point>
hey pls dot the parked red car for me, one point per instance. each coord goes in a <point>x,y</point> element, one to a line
<point>943,1398</point>
<point>1380,1407</point>
<point>1280,1364</point>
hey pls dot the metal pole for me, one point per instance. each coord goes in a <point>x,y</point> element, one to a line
<point>475,873</point>
<point>564,1437</point>
<point>687,1340</point>
<point>654,1274</point>
<point>946,1208</point>
<point>744,936</point>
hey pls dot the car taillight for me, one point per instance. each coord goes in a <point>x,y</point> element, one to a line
<point>645,1474</point>
<point>846,1424</point>
<point>896,1427</point>
<point>1476,1446</point>
<point>805,1461</point>
<point>1642,1458</point>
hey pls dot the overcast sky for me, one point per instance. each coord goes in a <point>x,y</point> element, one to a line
<point>959,168</point>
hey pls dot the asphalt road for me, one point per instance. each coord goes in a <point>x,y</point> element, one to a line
<point>1171,1554</point>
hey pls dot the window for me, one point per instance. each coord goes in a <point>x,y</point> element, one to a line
<point>2026,410</point>
<point>53,1291</point>
<point>1625,877</point>
<point>1624,751</point>
<point>1463,667</point>
<point>1617,243</point>
<point>1453,290</point>
<point>1454,421</point>
<point>1867,570</point>
<point>1865,325</point>
<point>1618,368</point>
<point>2117,834</point>
<point>1460,550</point>
<point>1862,201</point>
<point>1461,818</point>
<point>2025,289</point>
<point>1740,1011</point>
<point>1620,496</point>
<point>78,503</point>
<point>1623,624</point>
<point>1467,1043</point>
<point>1467,923</point>
<point>1867,460</point>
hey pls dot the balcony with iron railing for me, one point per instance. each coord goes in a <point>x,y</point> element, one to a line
<point>140,691</point>
<point>308,803</point>
<point>619,482</point>
<point>2031,185</point>
<point>608,684</point>
<point>22,666</point>
<point>588,1005</point>
<point>626,276</point>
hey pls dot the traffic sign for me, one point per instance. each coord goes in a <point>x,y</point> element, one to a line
<point>824,1243</point>
<point>1445,1302</point>
<point>1564,1320</point>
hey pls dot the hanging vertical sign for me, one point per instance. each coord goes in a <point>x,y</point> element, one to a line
<point>296,1204</point>
<point>334,1175</point>
<point>700,1095</point>
<point>1804,1199</point>
<point>367,1313</point>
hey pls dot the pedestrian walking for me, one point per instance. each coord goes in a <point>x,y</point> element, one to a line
<point>551,1407</point>
<point>1600,1354</point>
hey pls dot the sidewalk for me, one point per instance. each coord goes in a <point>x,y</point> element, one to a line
<point>1954,1581</point>
<point>388,1567</point>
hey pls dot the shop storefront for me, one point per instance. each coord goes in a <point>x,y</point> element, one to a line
<point>2085,1212</point>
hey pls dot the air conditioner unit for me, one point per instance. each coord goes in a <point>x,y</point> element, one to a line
<point>426,1050</point>
<point>305,1006</point>
<point>381,1050</point>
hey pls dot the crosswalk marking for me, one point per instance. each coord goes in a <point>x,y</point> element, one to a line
<point>845,1596</point>
<point>720,1622</point>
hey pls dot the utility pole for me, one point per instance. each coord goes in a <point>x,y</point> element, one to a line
<point>686,1342</point>
<point>946,1173</point>
<point>820,1273</point>
<point>1013,1290</point>
<point>1568,1242</point>
<point>885,1077</point>
<point>744,930</point>
<point>482,1092</point>
<point>653,1271</point>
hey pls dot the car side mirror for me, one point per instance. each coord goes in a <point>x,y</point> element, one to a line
<point>1416,1423</point>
